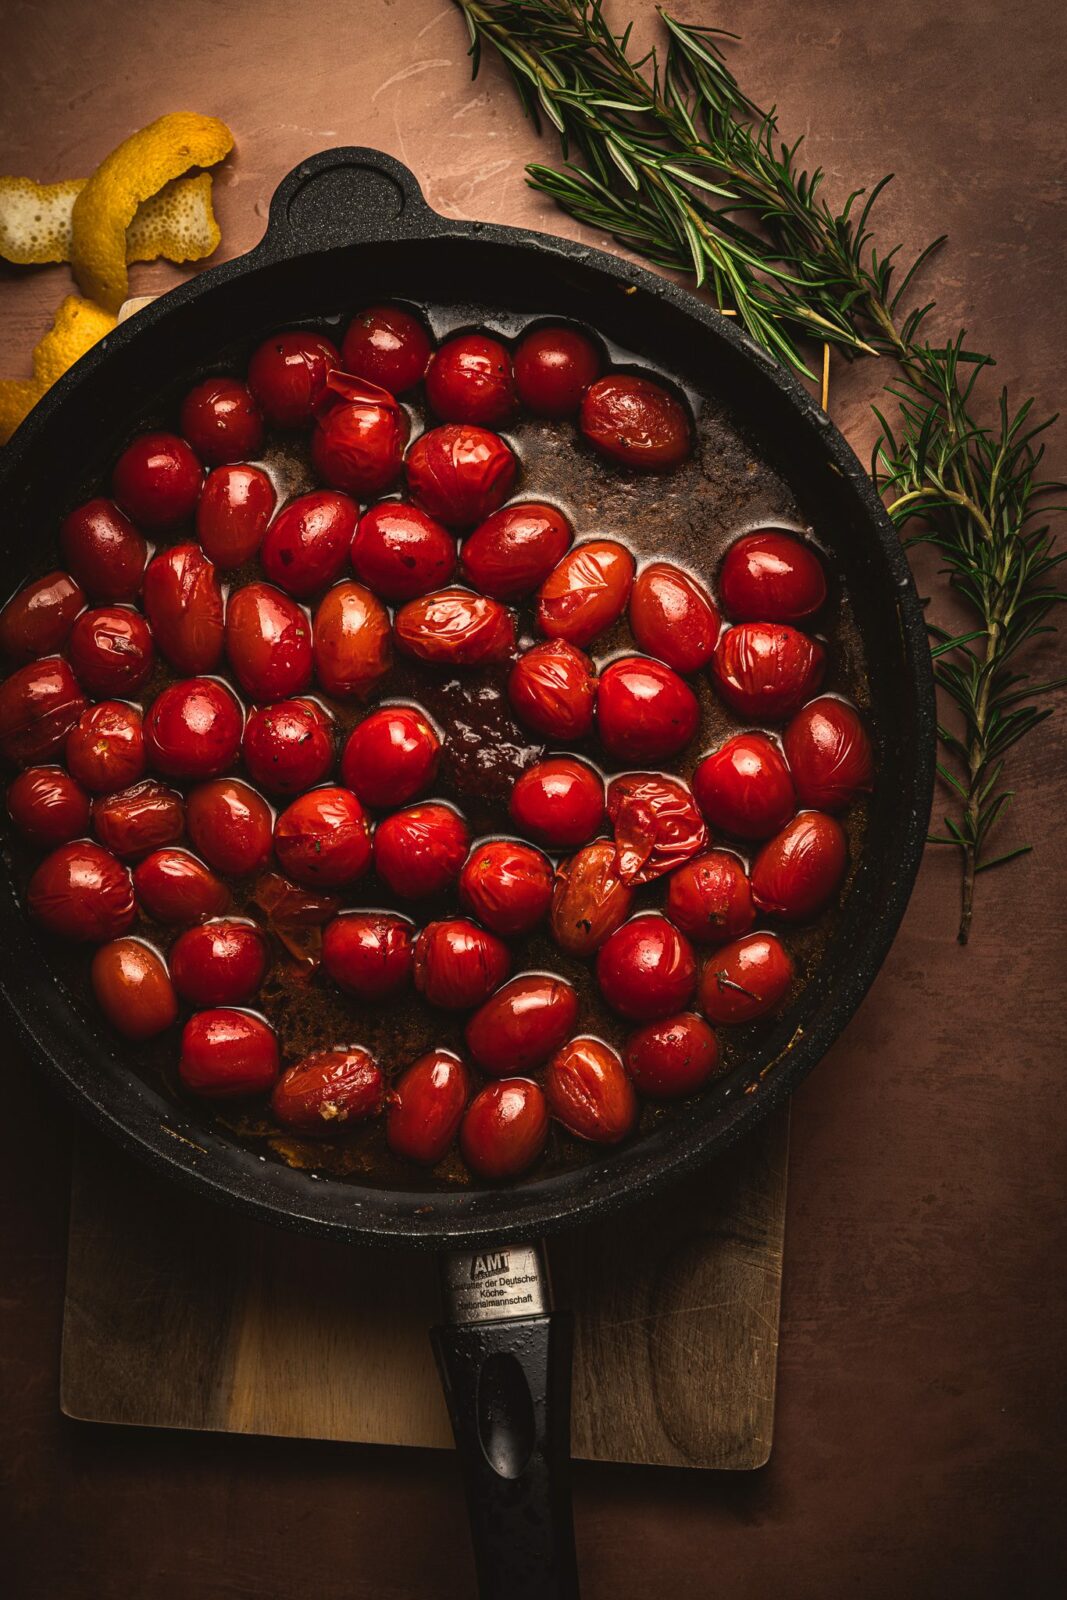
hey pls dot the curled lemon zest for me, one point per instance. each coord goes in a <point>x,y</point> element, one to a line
<point>36,221</point>
<point>77,326</point>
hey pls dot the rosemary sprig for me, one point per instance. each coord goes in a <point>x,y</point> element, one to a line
<point>668,154</point>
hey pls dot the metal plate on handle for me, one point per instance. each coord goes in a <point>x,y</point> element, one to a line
<point>490,1285</point>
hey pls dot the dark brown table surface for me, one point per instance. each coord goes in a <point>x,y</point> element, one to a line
<point>919,1447</point>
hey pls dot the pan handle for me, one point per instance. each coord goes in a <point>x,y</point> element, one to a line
<point>346,196</point>
<point>505,1362</point>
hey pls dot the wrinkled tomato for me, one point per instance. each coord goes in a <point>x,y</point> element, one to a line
<point>456,627</point>
<point>368,954</point>
<point>105,748</point>
<point>507,885</point>
<point>268,642</point>
<point>328,1090</point>
<point>103,550</point>
<point>644,710</point>
<point>745,787</point>
<point>144,817</point>
<point>586,592</point>
<point>800,870</point>
<point>157,480</point>
<point>672,1058</point>
<point>47,806</point>
<point>391,756</point>
<point>226,1055</point>
<point>81,892</point>
<point>589,1092</point>
<point>636,423</point>
<point>515,549</point>
<point>524,1023</point>
<point>233,513</point>
<point>829,754</point>
<point>193,729</point>
<point>133,989</point>
<point>183,603</point>
<point>39,704</point>
<point>418,852</point>
<point>504,1128</point>
<point>469,379</point>
<point>306,546</point>
<point>646,969</point>
<point>746,979</point>
<point>387,346</point>
<point>173,886</point>
<point>460,474</point>
<point>35,622</point>
<point>230,825</point>
<point>353,648</point>
<point>672,616</point>
<point>111,651</point>
<point>457,965</point>
<point>589,899</point>
<point>771,576</point>
<point>360,435</point>
<point>402,552</point>
<point>553,689</point>
<point>218,963</point>
<point>767,670</point>
<point>710,898</point>
<point>426,1106</point>
<point>221,421</point>
<point>323,839</point>
<point>287,376</point>
<point>288,747</point>
<point>656,823</point>
<point>559,801</point>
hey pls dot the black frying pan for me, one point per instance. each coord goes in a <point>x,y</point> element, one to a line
<point>346,227</point>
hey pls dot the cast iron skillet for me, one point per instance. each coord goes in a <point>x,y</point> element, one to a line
<point>345,228</point>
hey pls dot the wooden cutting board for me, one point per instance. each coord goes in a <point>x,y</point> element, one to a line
<point>181,1315</point>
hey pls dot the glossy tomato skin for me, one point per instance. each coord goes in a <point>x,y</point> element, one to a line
<point>589,1092</point>
<point>287,747</point>
<point>800,870</point>
<point>554,366</point>
<point>221,421</point>
<point>418,852</point>
<point>230,825</point>
<point>105,748</point>
<point>193,729</point>
<point>745,980</point>
<point>133,989</point>
<point>710,898</point>
<point>460,474</point>
<point>426,1106</point>
<point>458,965</point>
<point>322,840</point>
<point>589,899</point>
<point>514,550</point>
<point>306,546</point>
<point>553,689</point>
<point>507,885</point>
<point>646,969</point>
<point>656,823</point>
<point>469,379</point>
<point>103,550</point>
<point>47,806</point>
<point>401,552</point>
<point>672,616</point>
<point>766,670</point>
<point>233,513</point>
<point>387,346</point>
<point>636,423</point>
<point>39,704</point>
<point>36,621</point>
<point>226,1055</point>
<point>143,817</point>
<point>353,648</point>
<point>368,954</point>
<point>173,886</point>
<point>771,576</point>
<point>157,480</point>
<point>522,1024</point>
<point>360,436</point>
<point>504,1128</point>
<point>672,1058</point>
<point>287,376</point>
<point>586,592</point>
<point>456,627</point>
<point>328,1090</point>
<point>268,642</point>
<point>644,710</point>
<point>829,754</point>
<point>560,802</point>
<point>183,603</point>
<point>745,787</point>
<point>81,892</point>
<point>390,757</point>
<point>111,650</point>
<point>218,963</point>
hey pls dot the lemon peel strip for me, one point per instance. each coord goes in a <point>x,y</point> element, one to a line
<point>178,223</point>
<point>78,325</point>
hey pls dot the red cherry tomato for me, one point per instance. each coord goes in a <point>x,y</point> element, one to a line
<point>230,824</point>
<point>506,885</point>
<point>710,898</point>
<point>672,616</point>
<point>132,988</point>
<point>183,603</point>
<point>644,710</point>
<point>559,801</point>
<point>218,963</point>
<point>36,621</point>
<point>458,965</point>
<point>328,1090</point>
<point>360,436</point>
<point>589,899</point>
<point>765,669</point>
<point>156,480</point>
<point>221,421</point>
<point>306,546</point>
<point>586,592</point>
<point>47,806</point>
<point>745,980</point>
<point>672,1058</point>
<point>233,513</point>
<point>39,704</point>
<point>288,747</point>
<point>469,379</point>
<point>268,642</point>
<point>111,650</point>
<point>193,729</point>
<point>504,1128</point>
<point>426,1107</point>
<point>460,474</point>
<point>800,870</point>
<point>323,839</point>
<point>515,549</point>
<point>296,916</point>
<point>636,423</point>
<point>227,1054</point>
<point>656,823</point>
<point>588,1091</point>
<point>391,756</point>
<point>646,969</point>
<point>138,819</point>
<point>400,551</point>
<point>104,551</point>
<point>771,577</point>
<point>81,892</point>
<point>105,748</point>
<point>173,886</point>
<point>353,648</point>
<point>287,376</point>
<point>553,369</point>
<point>387,346</point>
<point>456,627</point>
<point>745,788</point>
<point>418,852</point>
<point>368,954</point>
<point>524,1023</point>
<point>552,689</point>
<point>829,754</point>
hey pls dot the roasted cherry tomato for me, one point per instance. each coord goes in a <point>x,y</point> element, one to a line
<point>306,546</point>
<point>233,513</point>
<point>672,1058</point>
<point>646,969</point>
<point>157,480</point>
<point>456,627</point>
<point>800,870</point>
<point>636,423</point>
<point>132,988</point>
<point>328,1090</point>
<point>360,435</point>
<point>105,748</point>
<point>504,1128</point>
<point>418,852</point>
<point>268,642</point>
<point>553,369</point>
<point>353,647</point>
<point>295,915</point>
<point>426,1106</point>
<point>368,953</point>
<point>103,550</point>
<point>710,898</point>
<point>39,704</point>
<point>644,710</point>
<point>656,823</point>
<point>401,552</point>
<point>81,892</point>
<point>559,801</point>
<point>288,747</point>
<point>469,379</point>
<point>458,964</point>
<point>221,421</point>
<point>746,979</point>
<point>771,577</point>
<point>193,729</point>
<point>35,622</point>
<point>460,474</point>
<point>586,592</point>
<point>387,346</point>
<point>111,651</point>
<point>515,549</point>
<point>218,963</point>
<point>745,788</point>
<point>767,669</point>
<point>228,1054</point>
<point>829,754</point>
<point>589,899</point>
<point>230,824</point>
<point>138,819</point>
<point>589,1092</point>
<point>507,885</point>
<point>524,1023</point>
<point>672,616</point>
<point>287,376</point>
<point>323,839</point>
<point>552,689</point>
<point>47,806</point>
<point>183,603</point>
<point>173,886</point>
<point>391,756</point>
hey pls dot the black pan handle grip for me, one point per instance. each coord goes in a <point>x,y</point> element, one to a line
<point>345,196</point>
<point>505,1364</point>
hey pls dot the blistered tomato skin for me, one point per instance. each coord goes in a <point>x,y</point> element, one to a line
<point>288,747</point>
<point>133,989</point>
<point>672,616</point>
<point>81,892</point>
<point>35,622</point>
<point>710,898</point>
<point>771,577</point>
<point>47,806</point>
<point>829,754</point>
<point>586,592</point>
<point>111,651</point>
<point>387,346</point>
<point>402,552</point>
<point>636,423</point>
<point>322,840</point>
<point>507,885</point>
<point>105,748</point>
<point>504,1128</point>
<point>745,787</point>
<point>460,474</point>
<point>173,886</point>
<point>644,710</point>
<point>553,369</point>
<point>368,954</point>
<point>469,379</point>
<point>218,963</point>
<point>306,546</point>
<point>287,376</point>
<point>524,1023</point>
<point>157,480</point>
<point>226,1055</point>
<point>425,1107</point>
<point>656,824</point>
<point>230,825</point>
<point>766,670</point>
<point>183,602</point>
<point>268,642</point>
<point>458,965</point>
<point>295,916</point>
<point>456,627</point>
<point>360,436</point>
<point>515,549</point>
<point>144,817</point>
<point>560,802</point>
<point>419,852</point>
<point>553,689</point>
<point>193,729</point>
<point>799,871</point>
<point>352,642</point>
<point>233,513</point>
<point>589,1092</point>
<point>221,421</point>
<point>672,1058</point>
<point>39,704</point>
<point>390,757</point>
<point>328,1090</point>
<point>646,969</point>
<point>745,980</point>
<point>103,550</point>
<point>589,899</point>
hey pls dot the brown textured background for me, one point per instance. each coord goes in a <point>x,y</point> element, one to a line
<point>921,1409</point>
